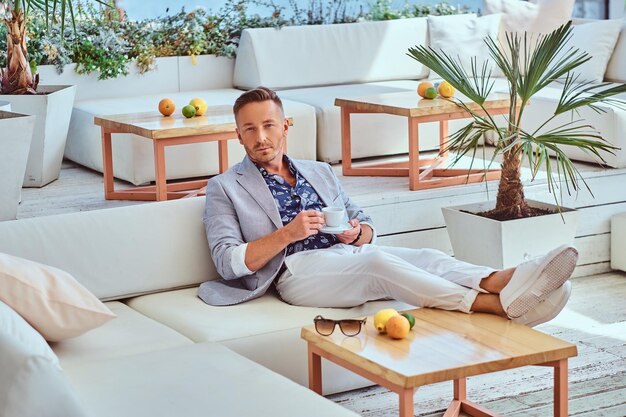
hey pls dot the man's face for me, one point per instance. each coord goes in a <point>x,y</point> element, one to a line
<point>262,130</point>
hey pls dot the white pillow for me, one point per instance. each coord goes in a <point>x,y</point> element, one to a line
<point>13,325</point>
<point>49,299</point>
<point>616,70</point>
<point>463,37</point>
<point>31,385</point>
<point>523,16</point>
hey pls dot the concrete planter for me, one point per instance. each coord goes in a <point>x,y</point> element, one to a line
<point>16,133</point>
<point>497,244</point>
<point>53,111</point>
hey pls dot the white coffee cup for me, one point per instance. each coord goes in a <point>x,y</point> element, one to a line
<point>333,216</point>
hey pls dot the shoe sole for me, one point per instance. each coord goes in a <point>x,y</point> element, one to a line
<point>552,276</point>
<point>557,308</point>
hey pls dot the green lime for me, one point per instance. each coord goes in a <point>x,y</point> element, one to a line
<point>189,111</point>
<point>430,93</point>
<point>410,318</point>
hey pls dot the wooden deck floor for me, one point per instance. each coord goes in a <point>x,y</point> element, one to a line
<point>595,318</point>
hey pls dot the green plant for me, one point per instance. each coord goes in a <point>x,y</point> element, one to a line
<point>528,67</point>
<point>17,77</point>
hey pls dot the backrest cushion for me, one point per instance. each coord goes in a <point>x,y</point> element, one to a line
<point>51,300</point>
<point>314,55</point>
<point>462,37</point>
<point>122,251</point>
<point>32,385</point>
<point>14,326</point>
<point>616,70</point>
<point>521,16</point>
<point>598,39</point>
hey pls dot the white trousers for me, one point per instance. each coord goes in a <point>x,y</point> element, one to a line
<point>347,276</point>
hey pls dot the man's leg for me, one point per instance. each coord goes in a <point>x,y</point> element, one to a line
<point>346,276</point>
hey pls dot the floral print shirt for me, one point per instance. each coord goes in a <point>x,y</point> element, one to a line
<point>291,201</point>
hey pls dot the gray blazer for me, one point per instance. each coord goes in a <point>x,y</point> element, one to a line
<point>240,208</point>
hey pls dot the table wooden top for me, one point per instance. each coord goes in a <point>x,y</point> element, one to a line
<point>409,104</point>
<point>153,125</point>
<point>443,345</point>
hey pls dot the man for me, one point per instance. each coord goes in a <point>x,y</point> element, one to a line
<point>263,220</point>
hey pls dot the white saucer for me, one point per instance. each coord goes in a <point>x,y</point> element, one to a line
<point>336,229</point>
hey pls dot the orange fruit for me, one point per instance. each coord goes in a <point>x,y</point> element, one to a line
<point>422,87</point>
<point>398,327</point>
<point>430,93</point>
<point>167,107</point>
<point>445,89</point>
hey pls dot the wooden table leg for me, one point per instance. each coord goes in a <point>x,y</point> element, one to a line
<point>107,164</point>
<point>560,388</point>
<point>222,146</point>
<point>406,402</point>
<point>315,370</point>
<point>346,145</point>
<point>414,154</point>
<point>443,138</point>
<point>159,171</point>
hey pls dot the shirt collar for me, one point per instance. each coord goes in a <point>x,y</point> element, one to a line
<point>266,174</point>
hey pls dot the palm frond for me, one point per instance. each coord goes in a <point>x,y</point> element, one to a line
<point>577,95</point>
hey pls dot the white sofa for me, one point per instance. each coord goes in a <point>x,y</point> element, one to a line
<point>167,352</point>
<point>315,65</point>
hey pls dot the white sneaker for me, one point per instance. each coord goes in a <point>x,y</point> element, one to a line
<point>535,279</point>
<point>548,308</point>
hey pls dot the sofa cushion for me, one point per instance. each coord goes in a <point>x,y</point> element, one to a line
<point>462,37</point>
<point>598,40</point>
<point>14,326</point>
<point>522,16</point>
<point>133,158</point>
<point>316,55</point>
<point>257,329</point>
<point>194,381</point>
<point>32,385</point>
<point>131,333</point>
<point>129,250</point>
<point>616,70</point>
<point>50,299</point>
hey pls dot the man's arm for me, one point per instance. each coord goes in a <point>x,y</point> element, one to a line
<point>261,251</point>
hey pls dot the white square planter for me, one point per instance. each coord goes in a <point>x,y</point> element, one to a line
<point>16,132</point>
<point>498,244</point>
<point>53,111</point>
<point>5,105</point>
<point>618,242</point>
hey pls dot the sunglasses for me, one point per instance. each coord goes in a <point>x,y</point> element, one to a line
<point>326,327</point>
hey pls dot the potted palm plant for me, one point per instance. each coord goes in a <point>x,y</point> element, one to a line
<point>52,105</point>
<point>528,66</point>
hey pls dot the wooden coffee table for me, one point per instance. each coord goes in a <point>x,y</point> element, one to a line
<point>443,346</point>
<point>218,124</point>
<point>422,173</point>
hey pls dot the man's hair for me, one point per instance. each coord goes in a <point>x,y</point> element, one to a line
<point>259,94</point>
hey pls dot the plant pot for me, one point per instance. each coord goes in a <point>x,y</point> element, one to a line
<point>16,133</point>
<point>53,111</point>
<point>5,106</point>
<point>505,244</point>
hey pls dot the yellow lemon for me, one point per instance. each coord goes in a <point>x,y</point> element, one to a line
<point>200,106</point>
<point>167,107</point>
<point>398,327</point>
<point>422,87</point>
<point>445,89</point>
<point>381,317</point>
<point>430,93</point>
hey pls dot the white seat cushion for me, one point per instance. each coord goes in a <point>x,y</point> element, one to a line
<point>130,333</point>
<point>133,159</point>
<point>194,381</point>
<point>256,329</point>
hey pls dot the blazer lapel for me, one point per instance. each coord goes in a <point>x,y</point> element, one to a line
<point>252,181</point>
<point>319,183</point>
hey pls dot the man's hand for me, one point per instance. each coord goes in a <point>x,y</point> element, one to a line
<point>348,236</point>
<point>305,224</point>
